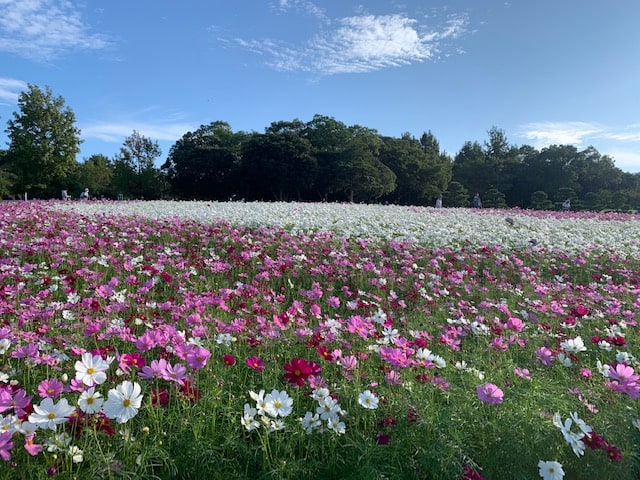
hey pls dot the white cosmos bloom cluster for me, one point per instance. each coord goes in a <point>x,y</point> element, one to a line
<point>574,439</point>
<point>441,228</point>
<point>270,409</point>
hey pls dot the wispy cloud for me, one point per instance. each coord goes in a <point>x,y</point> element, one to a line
<point>117,131</point>
<point>580,134</point>
<point>359,43</point>
<point>43,29</point>
<point>622,143</point>
<point>10,89</point>
<point>304,6</point>
<point>543,134</point>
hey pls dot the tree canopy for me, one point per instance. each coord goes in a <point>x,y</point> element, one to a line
<point>319,160</point>
<point>44,142</point>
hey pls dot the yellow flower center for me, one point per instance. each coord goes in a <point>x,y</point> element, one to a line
<point>51,416</point>
<point>126,402</point>
<point>91,370</point>
<point>278,404</point>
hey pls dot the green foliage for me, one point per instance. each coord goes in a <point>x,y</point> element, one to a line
<point>96,174</point>
<point>44,142</point>
<point>204,164</point>
<point>134,171</point>
<point>493,198</point>
<point>277,165</point>
<point>540,201</point>
<point>456,195</point>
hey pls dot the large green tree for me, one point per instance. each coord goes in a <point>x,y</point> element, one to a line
<point>96,174</point>
<point>421,172</point>
<point>44,142</point>
<point>204,164</point>
<point>361,175</point>
<point>278,165</point>
<point>135,174</point>
<point>328,138</point>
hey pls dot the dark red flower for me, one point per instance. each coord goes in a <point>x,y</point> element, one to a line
<point>470,474</point>
<point>298,370</point>
<point>382,438</point>
<point>228,360</point>
<point>594,441</point>
<point>189,392</point>
<point>614,453</point>
<point>159,397</point>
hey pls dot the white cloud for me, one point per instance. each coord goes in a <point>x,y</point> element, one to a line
<point>10,89</point>
<point>628,161</point>
<point>43,29</point>
<point>304,6</point>
<point>117,131</point>
<point>359,44</point>
<point>620,143</point>
<point>544,134</point>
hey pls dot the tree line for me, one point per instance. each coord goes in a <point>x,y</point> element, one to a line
<point>319,160</point>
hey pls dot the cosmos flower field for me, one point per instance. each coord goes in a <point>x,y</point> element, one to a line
<point>185,340</point>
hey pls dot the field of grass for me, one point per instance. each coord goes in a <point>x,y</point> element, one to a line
<point>188,340</point>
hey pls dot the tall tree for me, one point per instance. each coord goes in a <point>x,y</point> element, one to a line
<point>44,142</point>
<point>361,174</point>
<point>96,174</point>
<point>135,173</point>
<point>329,138</point>
<point>204,164</point>
<point>139,152</point>
<point>278,165</point>
<point>456,195</point>
<point>421,174</point>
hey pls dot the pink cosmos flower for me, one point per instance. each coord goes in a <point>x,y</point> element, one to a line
<point>515,324</point>
<point>544,355</point>
<point>197,357</point>
<point>255,363</point>
<point>31,447</point>
<point>522,372</point>
<point>490,394</point>
<point>50,388</point>
<point>154,370</point>
<point>6,445</point>
<point>174,373</point>
<point>623,373</point>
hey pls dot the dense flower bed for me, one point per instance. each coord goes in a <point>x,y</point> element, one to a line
<point>246,340</point>
<point>442,228</point>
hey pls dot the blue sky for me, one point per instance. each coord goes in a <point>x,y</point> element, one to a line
<point>544,71</point>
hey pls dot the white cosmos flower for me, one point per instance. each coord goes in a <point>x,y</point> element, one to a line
<point>334,424</point>
<point>90,401</point>
<point>368,400</point>
<point>50,415</point>
<point>328,407</point>
<point>278,403</point>
<point>77,455</point>
<point>310,422</point>
<point>574,345</point>
<point>550,470</point>
<point>91,370</point>
<point>123,402</point>
<point>248,418</point>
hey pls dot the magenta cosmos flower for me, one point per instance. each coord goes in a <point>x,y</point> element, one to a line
<point>490,394</point>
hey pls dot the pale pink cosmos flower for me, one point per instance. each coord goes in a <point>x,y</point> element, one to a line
<point>544,355</point>
<point>490,394</point>
<point>50,388</point>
